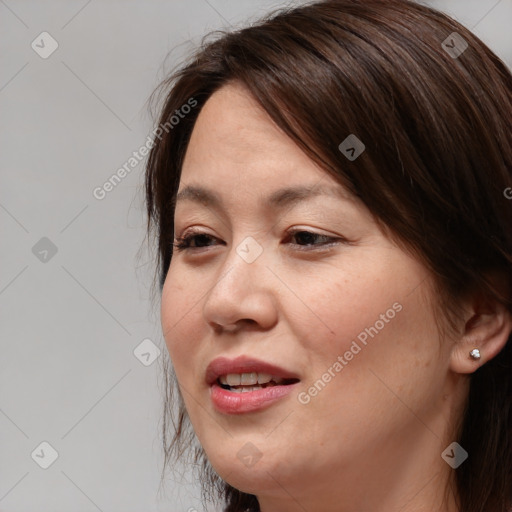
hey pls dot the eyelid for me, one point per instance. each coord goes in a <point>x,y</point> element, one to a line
<point>197,230</point>
<point>181,241</point>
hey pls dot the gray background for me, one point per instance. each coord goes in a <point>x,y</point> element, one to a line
<point>70,322</point>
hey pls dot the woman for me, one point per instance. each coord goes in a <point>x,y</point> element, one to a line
<point>328,192</point>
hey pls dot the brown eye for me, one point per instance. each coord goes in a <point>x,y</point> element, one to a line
<point>309,238</point>
<point>305,239</point>
<point>185,242</point>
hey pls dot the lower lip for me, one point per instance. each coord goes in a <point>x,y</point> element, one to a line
<point>238,403</point>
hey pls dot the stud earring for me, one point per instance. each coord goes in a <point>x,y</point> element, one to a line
<point>475,354</point>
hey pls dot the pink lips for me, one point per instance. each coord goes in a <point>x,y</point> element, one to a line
<point>230,402</point>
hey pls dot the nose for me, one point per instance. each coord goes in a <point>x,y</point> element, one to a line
<point>242,294</point>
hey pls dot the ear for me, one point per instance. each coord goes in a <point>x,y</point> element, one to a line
<point>487,328</point>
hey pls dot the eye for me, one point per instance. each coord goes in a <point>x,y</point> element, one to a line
<point>201,240</point>
<point>185,242</point>
<point>309,237</point>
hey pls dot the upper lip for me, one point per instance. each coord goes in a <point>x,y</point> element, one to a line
<point>244,364</point>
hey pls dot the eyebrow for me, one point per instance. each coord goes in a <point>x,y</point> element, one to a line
<point>284,197</point>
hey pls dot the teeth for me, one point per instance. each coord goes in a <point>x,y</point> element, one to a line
<point>248,379</point>
<point>246,389</point>
<point>233,379</point>
<point>263,378</point>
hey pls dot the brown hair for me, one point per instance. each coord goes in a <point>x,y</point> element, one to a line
<point>438,134</point>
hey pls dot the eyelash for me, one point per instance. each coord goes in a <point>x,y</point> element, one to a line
<point>183,243</point>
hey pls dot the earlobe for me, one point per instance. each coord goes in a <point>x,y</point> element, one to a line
<point>485,334</point>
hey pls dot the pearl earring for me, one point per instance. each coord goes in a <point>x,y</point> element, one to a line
<point>475,354</point>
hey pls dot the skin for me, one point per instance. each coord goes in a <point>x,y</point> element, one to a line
<point>372,438</point>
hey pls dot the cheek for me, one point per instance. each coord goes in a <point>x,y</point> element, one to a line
<point>336,311</point>
<point>378,321</point>
<point>383,359</point>
<point>179,321</point>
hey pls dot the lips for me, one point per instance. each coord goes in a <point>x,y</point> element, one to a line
<point>243,398</point>
<point>243,364</point>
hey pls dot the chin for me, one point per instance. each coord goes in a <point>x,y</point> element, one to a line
<point>251,481</point>
<point>249,472</point>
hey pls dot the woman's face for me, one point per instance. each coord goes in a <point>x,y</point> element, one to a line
<point>336,305</point>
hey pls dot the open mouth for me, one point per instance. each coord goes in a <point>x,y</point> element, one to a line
<point>246,385</point>
<point>247,382</point>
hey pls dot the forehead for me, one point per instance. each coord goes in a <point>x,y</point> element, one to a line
<point>232,118</point>
<point>236,145</point>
